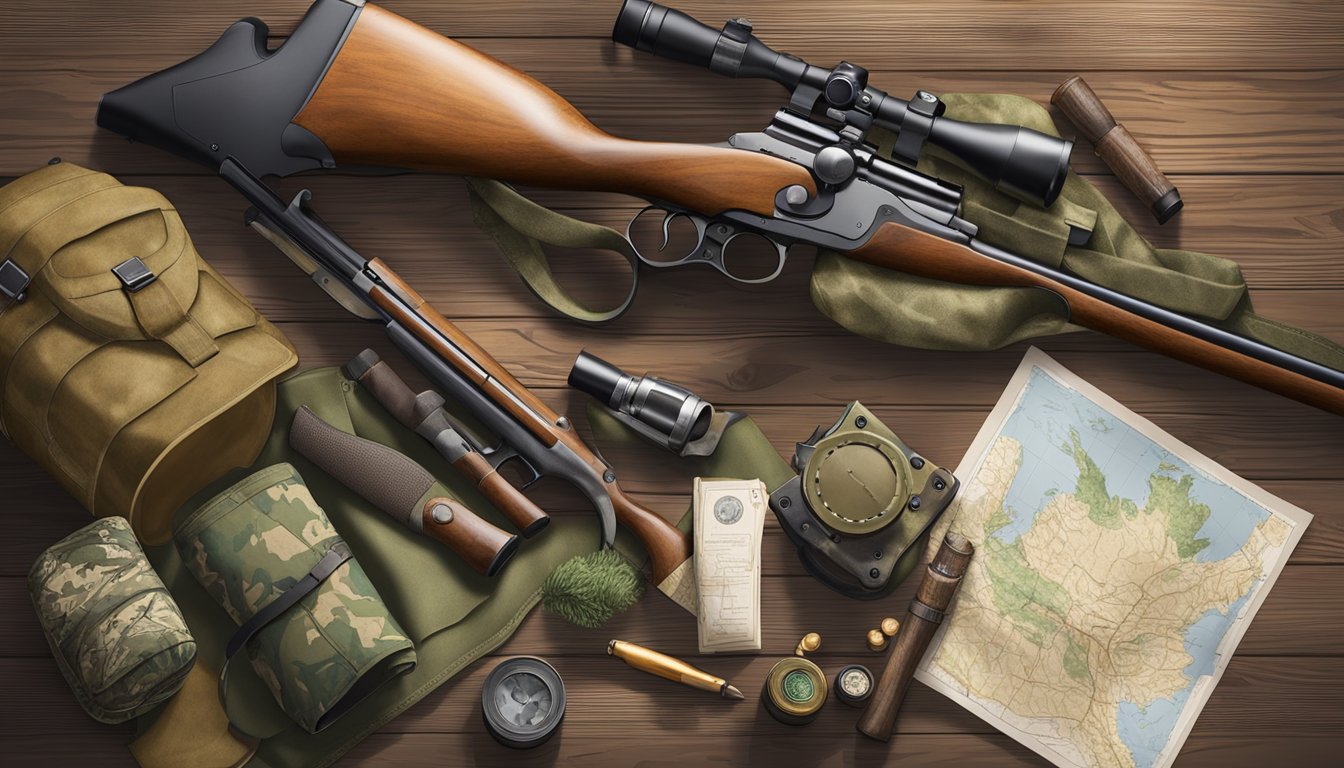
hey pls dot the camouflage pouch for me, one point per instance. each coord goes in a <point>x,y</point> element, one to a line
<point>117,635</point>
<point>314,627</point>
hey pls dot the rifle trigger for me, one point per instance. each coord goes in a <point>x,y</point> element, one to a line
<point>502,454</point>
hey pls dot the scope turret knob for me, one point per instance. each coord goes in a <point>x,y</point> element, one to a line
<point>844,85</point>
<point>738,30</point>
<point>834,165</point>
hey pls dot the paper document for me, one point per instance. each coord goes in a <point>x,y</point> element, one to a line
<point>729,516</point>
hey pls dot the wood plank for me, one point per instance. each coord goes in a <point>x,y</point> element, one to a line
<point>1254,694</point>
<point>1233,122</point>
<point>774,747</point>
<point>958,34</point>
<point>1303,616</point>
<point>1284,231</point>
<point>1291,443</point>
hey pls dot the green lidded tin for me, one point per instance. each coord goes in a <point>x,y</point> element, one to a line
<point>794,691</point>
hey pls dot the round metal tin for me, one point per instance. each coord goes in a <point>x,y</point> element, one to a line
<point>523,702</point>
<point>854,685</point>
<point>794,691</point>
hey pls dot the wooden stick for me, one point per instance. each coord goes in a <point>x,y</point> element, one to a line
<point>921,621</point>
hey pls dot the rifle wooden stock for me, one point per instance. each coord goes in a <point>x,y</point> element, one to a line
<point>908,250</point>
<point>400,95</point>
<point>667,546</point>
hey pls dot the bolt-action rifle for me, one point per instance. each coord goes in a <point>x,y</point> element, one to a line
<point>358,86</point>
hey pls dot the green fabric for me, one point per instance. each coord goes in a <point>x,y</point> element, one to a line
<point>520,226</point>
<point>115,632</point>
<point>916,312</point>
<point>743,452</point>
<point>452,614</point>
<point>257,539</point>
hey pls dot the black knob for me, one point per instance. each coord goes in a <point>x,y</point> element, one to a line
<point>844,85</point>
<point>835,165</point>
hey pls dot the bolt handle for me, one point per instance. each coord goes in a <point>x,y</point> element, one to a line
<point>1115,145</point>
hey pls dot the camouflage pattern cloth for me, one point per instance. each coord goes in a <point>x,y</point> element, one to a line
<point>116,633</point>
<point>252,542</point>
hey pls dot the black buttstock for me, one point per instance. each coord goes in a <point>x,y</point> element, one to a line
<point>237,98</point>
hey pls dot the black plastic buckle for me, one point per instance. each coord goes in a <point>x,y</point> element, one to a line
<point>13,281</point>
<point>133,274</point>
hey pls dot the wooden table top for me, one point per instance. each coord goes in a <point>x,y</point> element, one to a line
<point>1241,103</point>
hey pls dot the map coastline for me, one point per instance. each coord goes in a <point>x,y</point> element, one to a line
<point>1113,556</point>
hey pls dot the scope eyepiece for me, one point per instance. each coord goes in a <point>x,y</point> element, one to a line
<point>663,413</point>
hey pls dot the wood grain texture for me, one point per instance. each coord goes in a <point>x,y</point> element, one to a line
<point>1218,122</point>
<point>1112,141</point>
<point>1242,103</point>
<point>396,89</point>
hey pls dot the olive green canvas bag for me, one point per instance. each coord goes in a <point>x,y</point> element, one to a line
<point>129,369</point>
<point>1082,233</point>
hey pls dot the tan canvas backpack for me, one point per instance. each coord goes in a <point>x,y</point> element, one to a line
<point>129,369</point>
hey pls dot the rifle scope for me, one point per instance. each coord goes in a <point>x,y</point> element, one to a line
<point>1029,165</point>
<point>669,415</point>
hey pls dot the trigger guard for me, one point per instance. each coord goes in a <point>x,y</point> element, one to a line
<point>780,249</point>
<point>668,217</point>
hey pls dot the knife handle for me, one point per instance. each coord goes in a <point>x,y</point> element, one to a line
<point>402,489</point>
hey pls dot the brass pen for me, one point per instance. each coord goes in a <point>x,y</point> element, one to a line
<point>676,670</point>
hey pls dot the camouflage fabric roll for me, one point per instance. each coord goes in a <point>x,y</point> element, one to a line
<point>259,538</point>
<point>116,633</point>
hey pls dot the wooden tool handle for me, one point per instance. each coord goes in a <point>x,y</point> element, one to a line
<point>400,95</point>
<point>1117,148</point>
<point>925,255</point>
<point>525,516</point>
<point>921,622</point>
<point>386,386</point>
<point>483,546</point>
